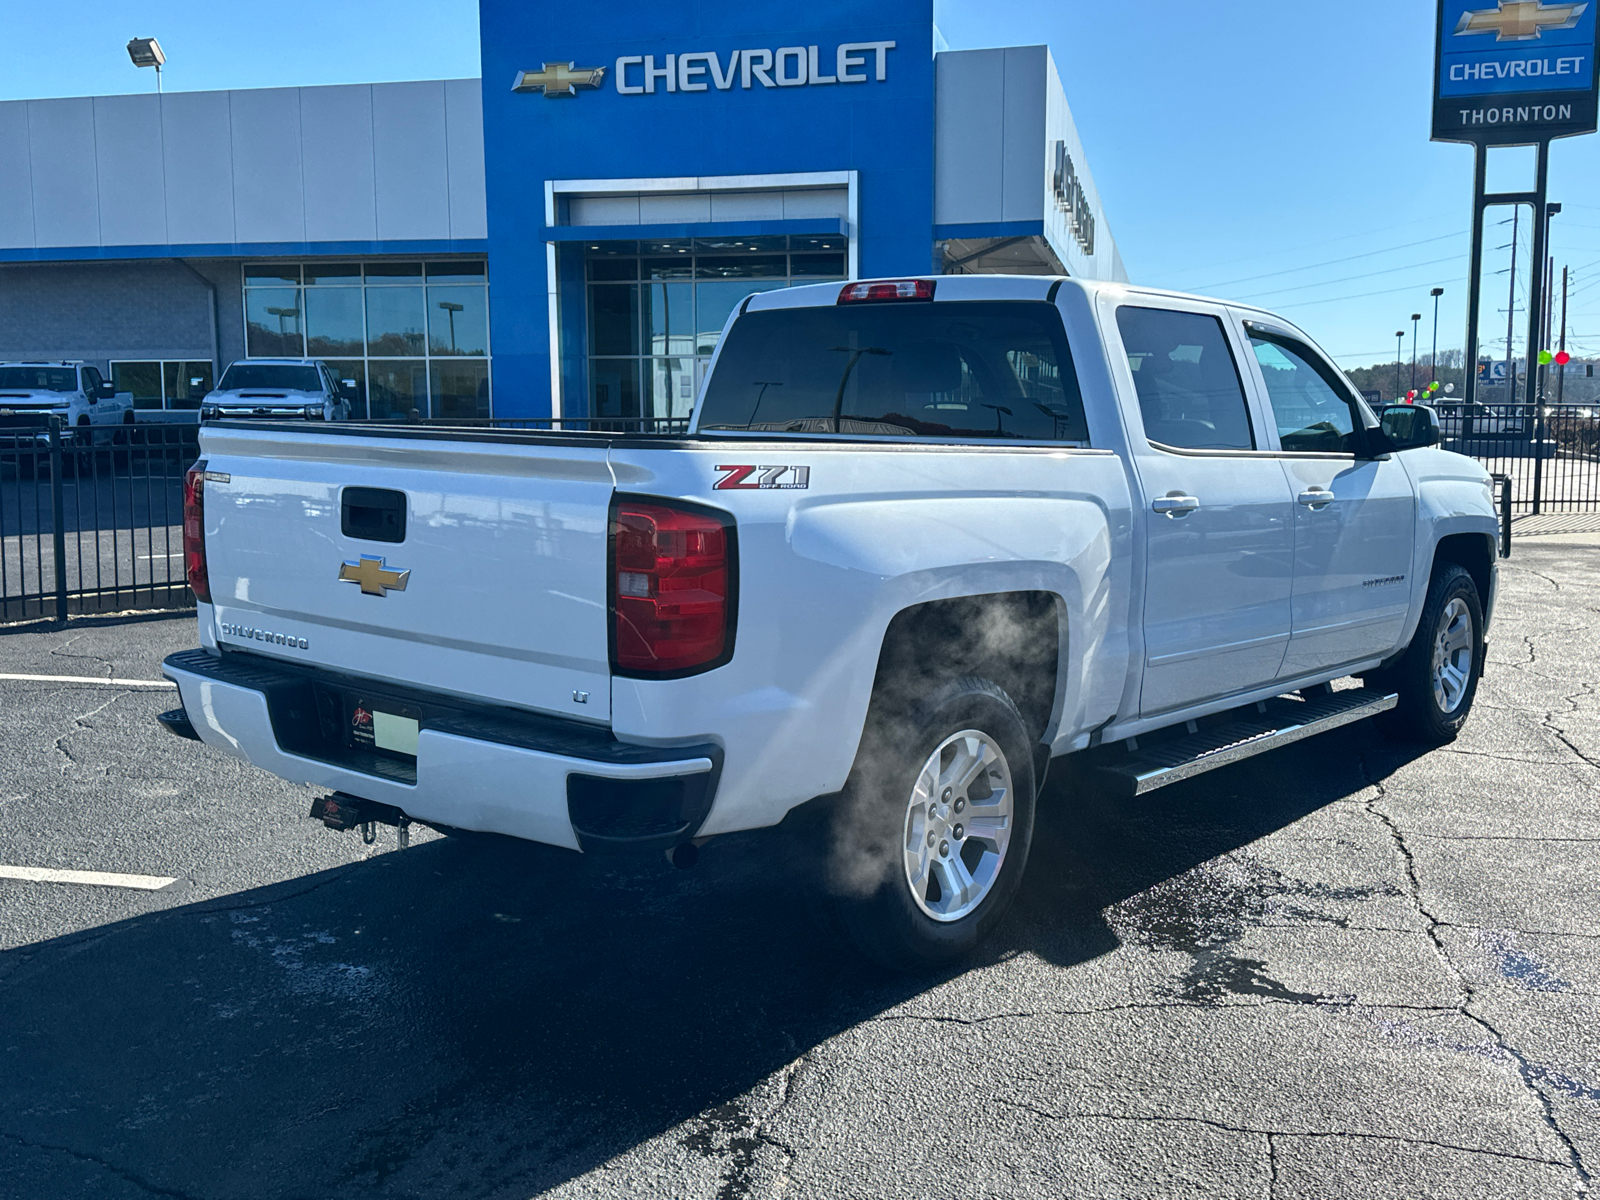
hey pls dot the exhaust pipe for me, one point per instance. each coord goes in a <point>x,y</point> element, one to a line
<point>685,856</point>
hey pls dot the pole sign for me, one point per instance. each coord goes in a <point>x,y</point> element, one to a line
<point>1514,72</point>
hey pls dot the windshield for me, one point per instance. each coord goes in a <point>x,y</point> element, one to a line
<point>981,369</point>
<point>38,379</point>
<point>275,376</point>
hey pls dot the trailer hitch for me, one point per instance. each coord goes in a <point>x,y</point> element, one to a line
<point>344,812</point>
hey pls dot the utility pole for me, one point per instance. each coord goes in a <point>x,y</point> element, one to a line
<point>1561,378</point>
<point>1511,308</point>
<point>1538,323</point>
<point>1399,352</point>
<point>1433,368</point>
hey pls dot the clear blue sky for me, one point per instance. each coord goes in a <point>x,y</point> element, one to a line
<point>1274,153</point>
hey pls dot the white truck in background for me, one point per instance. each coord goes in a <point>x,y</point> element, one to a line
<point>279,389</point>
<point>74,391</point>
<point>922,537</point>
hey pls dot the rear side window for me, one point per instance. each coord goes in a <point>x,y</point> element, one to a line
<point>981,369</point>
<point>1189,389</point>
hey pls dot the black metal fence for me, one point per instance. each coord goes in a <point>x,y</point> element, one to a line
<point>662,426</point>
<point>91,519</point>
<point>1551,454</point>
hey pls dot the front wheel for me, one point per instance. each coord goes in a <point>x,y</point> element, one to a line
<point>1437,677</point>
<point>933,832</point>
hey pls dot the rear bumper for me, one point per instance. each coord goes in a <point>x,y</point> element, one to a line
<point>495,770</point>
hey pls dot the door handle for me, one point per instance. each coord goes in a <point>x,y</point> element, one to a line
<point>1316,498</point>
<point>1175,504</point>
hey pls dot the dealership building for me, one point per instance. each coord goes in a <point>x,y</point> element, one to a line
<point>565,236</point>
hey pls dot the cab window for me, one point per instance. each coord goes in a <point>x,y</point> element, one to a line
<point>997,370</point>
<point>91,381</point>
<point>1312,414</point>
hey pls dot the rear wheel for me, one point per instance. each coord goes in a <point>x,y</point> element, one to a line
<point>1437,677</point>
<point>932,837</point>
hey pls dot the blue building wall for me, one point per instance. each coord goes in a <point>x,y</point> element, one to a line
<point>883,130</point>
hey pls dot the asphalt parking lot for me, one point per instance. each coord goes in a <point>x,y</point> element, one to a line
<point>1344,969</point>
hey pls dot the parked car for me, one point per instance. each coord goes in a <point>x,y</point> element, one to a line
<point>1459,419</point>
<point>923,537</point>
<point>74,391</point>
<point>279,389</point>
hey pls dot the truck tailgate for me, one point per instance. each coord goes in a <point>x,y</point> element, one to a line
<point>504,546</point>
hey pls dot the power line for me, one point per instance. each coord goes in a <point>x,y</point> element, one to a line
<point>1361,295</point>
<point>1433,262</point>
<point>1388,362</point>
<point>1345,237</point>
<point>1332,262</point>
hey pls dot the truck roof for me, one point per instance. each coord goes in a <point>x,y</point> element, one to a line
<point>277,362</point>
<point>956,288</point>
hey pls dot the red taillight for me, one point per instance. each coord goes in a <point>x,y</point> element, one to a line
<point>672,580</point>
<point>194,532</point>
<point>888,289</point>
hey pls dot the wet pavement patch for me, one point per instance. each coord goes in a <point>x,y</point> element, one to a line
<point>1206,912</point>
<point>1520,967</point>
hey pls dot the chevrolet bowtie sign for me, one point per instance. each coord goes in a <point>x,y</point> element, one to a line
<point>559,79</point>
<point>707,70</point>
<point>1521,20</point>
<point>1514,72</point>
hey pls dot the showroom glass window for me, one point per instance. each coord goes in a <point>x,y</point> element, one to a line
<point>655,310</point>
<point>169,384</point>
<point>414,336</point>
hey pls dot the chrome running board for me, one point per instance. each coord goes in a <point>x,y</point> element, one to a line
<point>1245,734</point>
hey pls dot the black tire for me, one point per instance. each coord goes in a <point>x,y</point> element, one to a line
<point>867,869</point>
<point>1420,717</point>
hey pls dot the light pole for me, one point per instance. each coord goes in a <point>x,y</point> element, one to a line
<point>281,313</point>
<point>147,52</point>
<point>452,308</point>
<point>1433,369</point>
<point>1399,350</point>
<point>1416,319</point>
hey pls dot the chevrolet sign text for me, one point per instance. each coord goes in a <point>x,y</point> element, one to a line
<point>787,66</point>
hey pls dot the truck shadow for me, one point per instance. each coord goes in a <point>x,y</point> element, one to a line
<point>492,1018</point>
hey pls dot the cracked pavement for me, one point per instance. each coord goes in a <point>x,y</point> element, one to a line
<point>1345,969</point>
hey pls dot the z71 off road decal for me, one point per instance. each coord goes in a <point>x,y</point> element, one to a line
<point>781,478</point>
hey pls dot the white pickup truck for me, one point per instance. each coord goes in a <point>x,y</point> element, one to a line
<point>71,390</point>
<point>922,537</point>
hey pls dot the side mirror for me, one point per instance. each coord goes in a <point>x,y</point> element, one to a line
<point>107,391</point>
<point>1410,426</point>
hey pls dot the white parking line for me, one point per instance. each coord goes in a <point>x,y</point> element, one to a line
<point>137,683</point>
<point>143,883</point>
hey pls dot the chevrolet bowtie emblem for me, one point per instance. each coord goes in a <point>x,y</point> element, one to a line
<point>558,79</point>
<point>1519,20</point>
<point>374,577</point>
